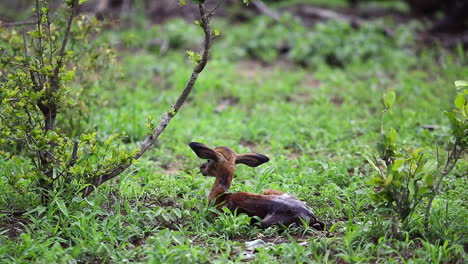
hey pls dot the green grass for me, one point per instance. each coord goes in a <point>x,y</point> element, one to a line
<point>316,124</point>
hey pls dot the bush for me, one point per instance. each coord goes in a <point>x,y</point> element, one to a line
<point>41,150</point>
<point>406,176</point>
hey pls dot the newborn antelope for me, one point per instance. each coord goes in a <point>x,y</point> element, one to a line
<point>272,206</point>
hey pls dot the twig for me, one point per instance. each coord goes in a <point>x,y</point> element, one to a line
<point>51,51</point>
<point>212,11</point>
<point>28,67</point>
<point>20,23</point>
<point>31,72</point>
<point>265,10</point>
<point>40,49</point>
<point>74,156</point>
<point>72,162</point>
<point>453,156</point>
<point>167,116</point>
<point>54,80</point>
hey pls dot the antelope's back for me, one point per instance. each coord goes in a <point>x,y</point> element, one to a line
<point>277,209</point>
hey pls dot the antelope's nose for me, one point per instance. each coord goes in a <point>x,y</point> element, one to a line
<point>203,168</point>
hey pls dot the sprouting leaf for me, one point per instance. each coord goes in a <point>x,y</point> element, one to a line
<point>216,32</point>
<point>460,101</point>
<point>417,151</point>
<point>397,164</point>
<point>461,84</point>
<point>172,111</point>
<point>182,2</point>
<point>392,136</point>
<point>34,34</point>
<point>195,56</point>
<point>389,99</point>
<point>389,179</point>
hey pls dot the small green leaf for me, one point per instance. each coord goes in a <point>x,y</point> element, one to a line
<point>34,34</point>
<point>412,187</point>
<point>172,112</point>
<point>428,179</point>
<point>389,99</point>
<point>216,32</point>
<point>460,101</point>
<point>374,197</point>
<point>63,208</point>
<point>375,181</point>
<point>392,136</point>
<point>182,2</point>
<point>423,191</point>
<point>333,227</point>
<point>417,151</point>
<point>397,164</point>
<point>454,122</point>
<point>429,167</point>
<point>461,84</point>
<point>389,179</point>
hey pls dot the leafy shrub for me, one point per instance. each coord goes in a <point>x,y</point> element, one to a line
<point>405,176</point>
<point>36,70</point>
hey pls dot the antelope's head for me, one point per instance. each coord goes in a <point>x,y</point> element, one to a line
<point>223,160</point>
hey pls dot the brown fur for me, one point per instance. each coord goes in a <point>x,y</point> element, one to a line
<point>272,206</point>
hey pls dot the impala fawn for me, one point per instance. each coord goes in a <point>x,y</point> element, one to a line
<point>272,206</point>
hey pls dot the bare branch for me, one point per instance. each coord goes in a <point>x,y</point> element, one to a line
<point>20,23</point>
<point>31,72</point>
<point>452,157</point>
<point>40,48</point>
<point>265,10</point>
<point>54,80</point>
<point>168,115</point>
<point>212,11</point>
<point>74,156</point>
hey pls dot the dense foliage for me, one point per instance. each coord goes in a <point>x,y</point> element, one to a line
<point>44,145</point>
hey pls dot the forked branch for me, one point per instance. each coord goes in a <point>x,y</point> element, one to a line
<point>206,17</point>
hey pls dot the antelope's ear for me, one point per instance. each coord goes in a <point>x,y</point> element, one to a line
<point>251,159</point>
<point>204,152</point>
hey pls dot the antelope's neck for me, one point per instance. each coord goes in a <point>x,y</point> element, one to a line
<point>222,182</point>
